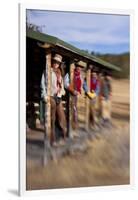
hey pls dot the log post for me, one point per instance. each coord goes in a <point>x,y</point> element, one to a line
<point>48,88</point>
<point>72,67</point>
<point>47,121</point>
<point>87,102</point>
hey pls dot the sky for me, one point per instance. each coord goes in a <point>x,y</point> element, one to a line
<point>101,33</point>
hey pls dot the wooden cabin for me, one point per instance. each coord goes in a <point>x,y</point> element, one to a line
<point>39,50</point>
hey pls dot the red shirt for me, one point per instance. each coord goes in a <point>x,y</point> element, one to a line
<point>94,84</point>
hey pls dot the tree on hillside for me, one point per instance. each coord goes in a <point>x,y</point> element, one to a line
<point>34,27</point>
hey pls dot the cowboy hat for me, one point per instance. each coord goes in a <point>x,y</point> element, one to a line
<point>57,58</point>
<point>80,64</point>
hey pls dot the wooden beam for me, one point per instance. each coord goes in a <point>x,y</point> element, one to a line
<point>45,45</point>
<point>69,54</point>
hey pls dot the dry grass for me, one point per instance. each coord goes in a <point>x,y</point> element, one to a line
<point>105,163</point>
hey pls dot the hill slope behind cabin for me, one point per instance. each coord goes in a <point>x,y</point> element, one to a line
<point>120,60</point>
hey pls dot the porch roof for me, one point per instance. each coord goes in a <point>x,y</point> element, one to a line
<point>64,45</point>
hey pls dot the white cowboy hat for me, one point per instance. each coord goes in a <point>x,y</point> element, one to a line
<point>58,58</point>
<point>80,64</point>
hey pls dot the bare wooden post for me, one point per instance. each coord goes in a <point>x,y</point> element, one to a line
<point>88,74</point>
<point>48,110</point>
<point>72,67</point>
<point>47,122</point>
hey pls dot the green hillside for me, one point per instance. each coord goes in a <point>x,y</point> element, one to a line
<point>120,60</point>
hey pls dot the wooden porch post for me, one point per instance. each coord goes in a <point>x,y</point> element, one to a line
<point>72,67</point>
<point>47,120</point>
<point>47,76</point>
<point>88,75</point>
<point>48,86</point>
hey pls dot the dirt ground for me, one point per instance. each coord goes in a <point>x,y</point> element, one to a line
<point>106,162</point>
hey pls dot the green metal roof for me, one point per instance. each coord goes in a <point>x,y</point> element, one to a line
<point>60,43</point>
